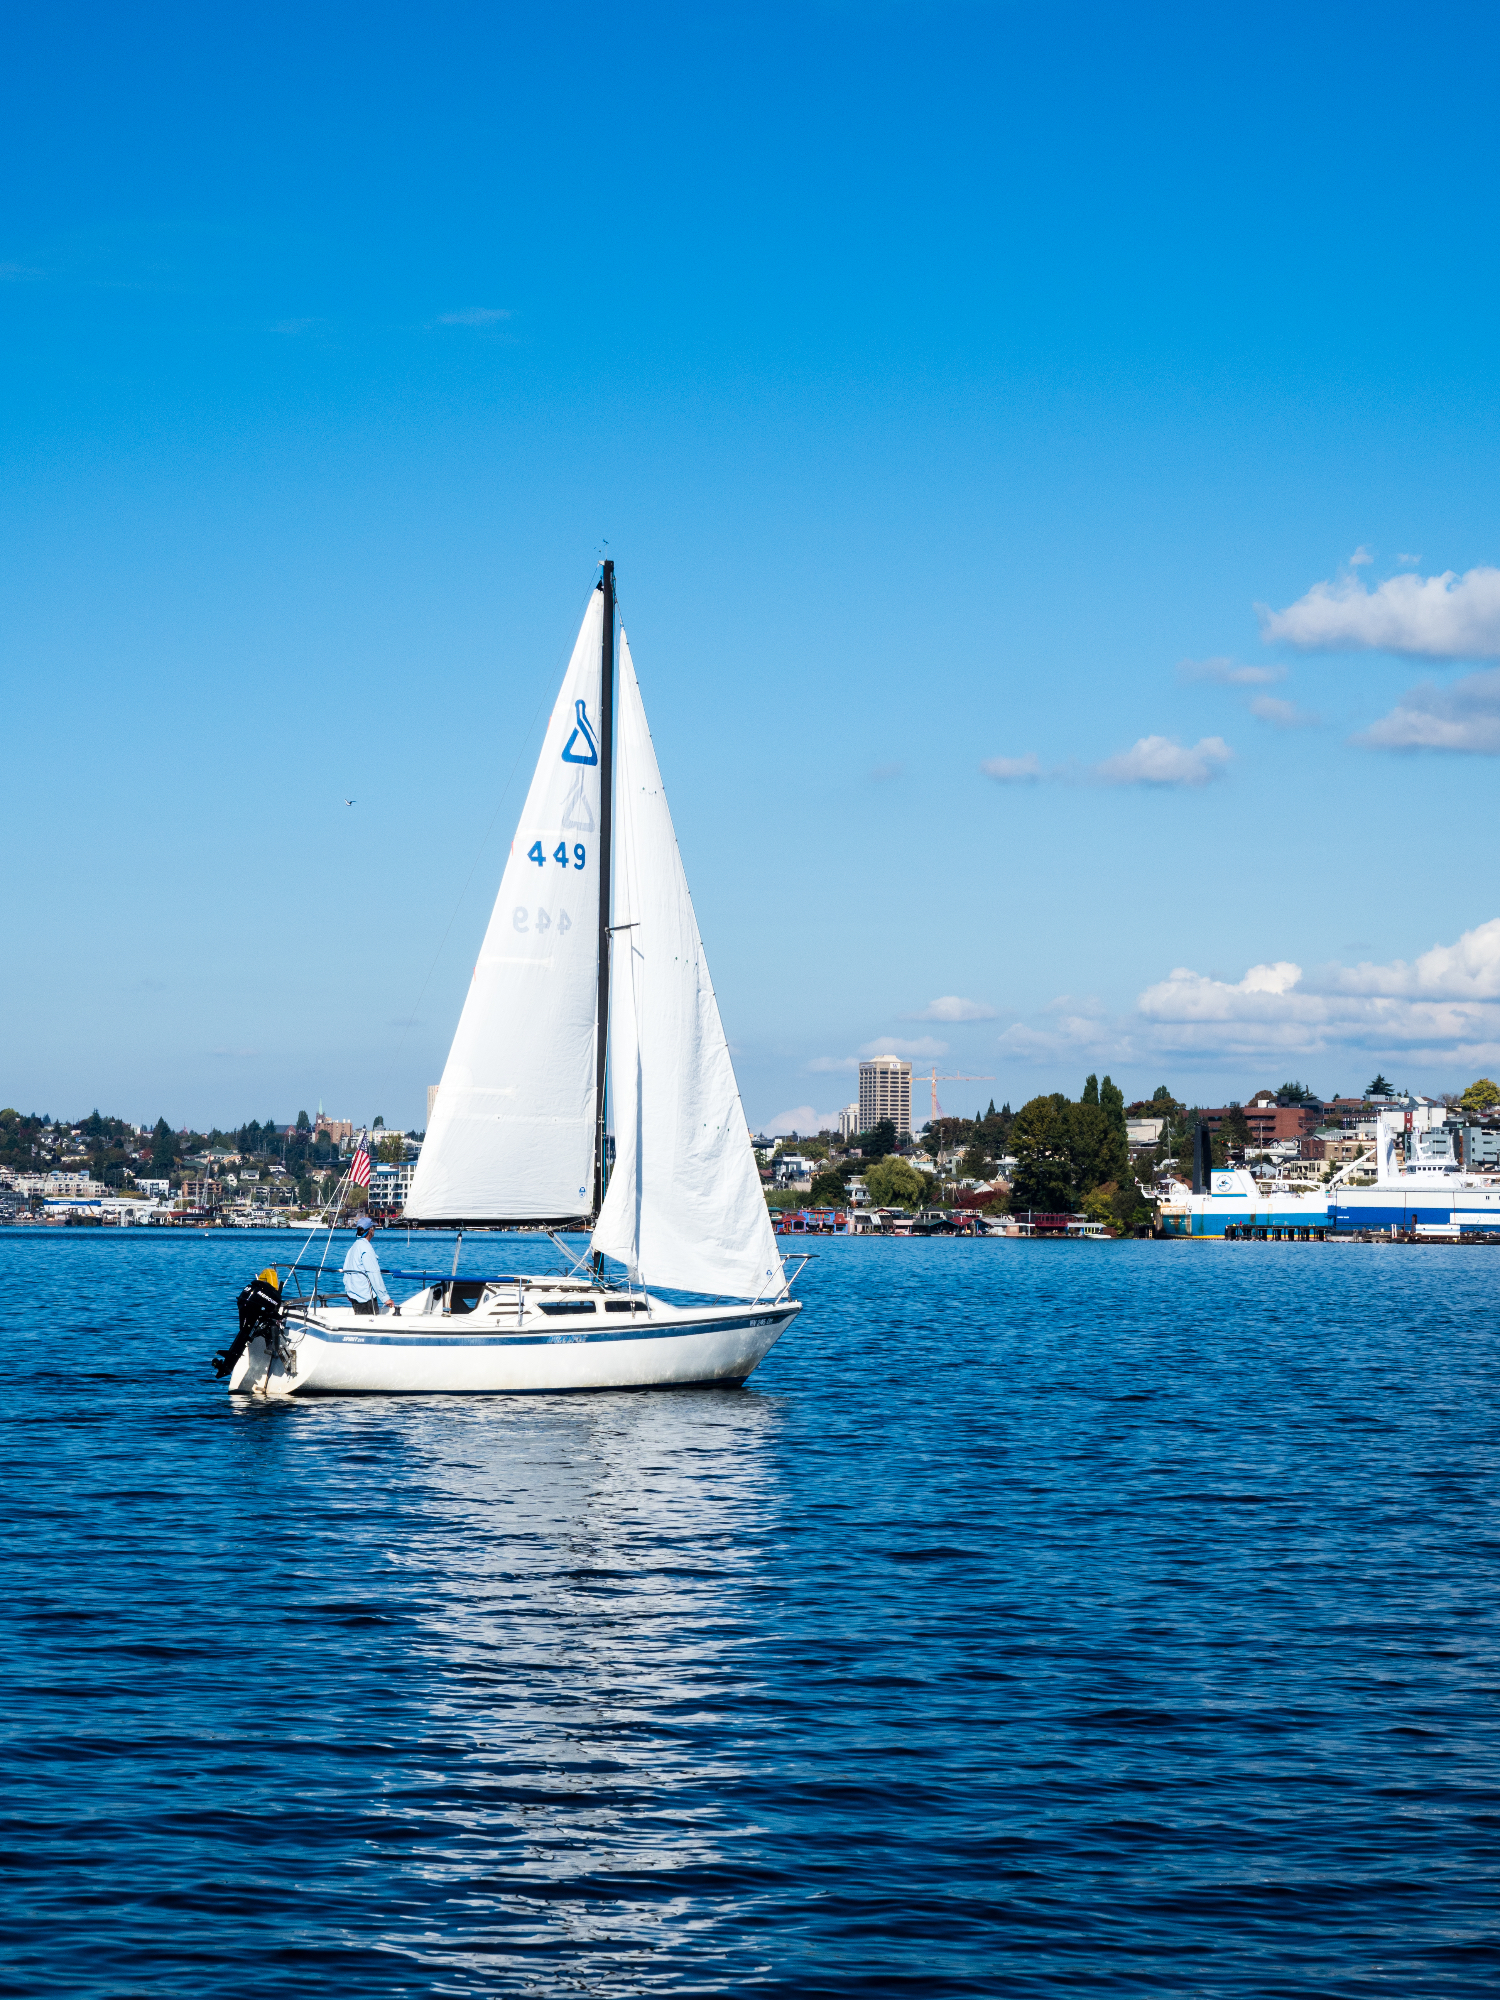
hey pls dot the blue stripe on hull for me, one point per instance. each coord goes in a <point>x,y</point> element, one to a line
<point>1406,1214</point>
<point>1213,1224</point>
<point>618,1335</point>
<point>1382,1209</point>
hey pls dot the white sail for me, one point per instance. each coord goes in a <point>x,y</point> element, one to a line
<point>684,1207</point>
<point>512,1132</point>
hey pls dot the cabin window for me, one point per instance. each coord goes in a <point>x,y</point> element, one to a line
<point>464,1294</point>
<point>624,1306</point>
<point>570,1306</point>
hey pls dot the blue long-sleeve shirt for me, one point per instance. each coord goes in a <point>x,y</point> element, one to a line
<point>362,1279</point>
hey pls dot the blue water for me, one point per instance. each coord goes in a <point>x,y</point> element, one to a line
<point>1042,1619</point>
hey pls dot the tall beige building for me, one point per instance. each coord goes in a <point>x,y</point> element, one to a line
<point>885,1092</point>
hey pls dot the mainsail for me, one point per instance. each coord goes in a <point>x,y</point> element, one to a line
<point>684,1206</point>
<point>512,1132</point>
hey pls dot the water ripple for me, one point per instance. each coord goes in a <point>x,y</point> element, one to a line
<point>1043,1618</point>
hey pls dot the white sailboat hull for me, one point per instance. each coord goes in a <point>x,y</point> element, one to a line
<point>337,1352</point>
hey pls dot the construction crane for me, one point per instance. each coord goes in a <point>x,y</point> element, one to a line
<point>956,1076</point>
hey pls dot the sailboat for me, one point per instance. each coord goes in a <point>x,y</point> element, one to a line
<point>590,1034</point>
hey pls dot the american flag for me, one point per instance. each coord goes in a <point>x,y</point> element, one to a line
<point>359,1166</point>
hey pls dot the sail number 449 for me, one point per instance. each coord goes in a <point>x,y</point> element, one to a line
<point>559,854</point>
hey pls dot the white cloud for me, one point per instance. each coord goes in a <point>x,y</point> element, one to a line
<point>886,1045</point>
<point>1440,1009</point>
<point>1468,970</point>
<point>1012,770</point>
<point>951,1008</point>
<point>1227,674</point>
<point>475,316</point>
<point>1157,760</point>
<point>1281,714</point>
<point>1154,760</point>
<point>1077,1027</point>
<point>1033,1044</point>
<point>801,1118</point>
<point>1447,617</point>
<point>1464,717</point>
<point>889,1045</point>
<point>1408,559</point>
<point>1444,1005</point>
<point>1360,557</point>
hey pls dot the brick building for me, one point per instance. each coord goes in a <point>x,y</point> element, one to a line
<point>1270,1119</point>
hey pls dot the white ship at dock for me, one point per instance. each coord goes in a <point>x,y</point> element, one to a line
<point>1420,1188</point>
<point>1235,1204</point>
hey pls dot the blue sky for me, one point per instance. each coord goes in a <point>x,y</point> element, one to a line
<point>942,378</point>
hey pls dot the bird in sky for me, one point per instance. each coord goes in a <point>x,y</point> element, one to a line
<point>349,802</point>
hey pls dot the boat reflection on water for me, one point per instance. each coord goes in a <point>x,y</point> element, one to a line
<point>582,1575</point>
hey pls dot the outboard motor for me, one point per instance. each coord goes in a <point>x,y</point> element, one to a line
<point>260,1316</point>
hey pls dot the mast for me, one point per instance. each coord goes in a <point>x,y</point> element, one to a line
<point>606,837</point>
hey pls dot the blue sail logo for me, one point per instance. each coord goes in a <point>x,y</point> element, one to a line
<point>572,755</point>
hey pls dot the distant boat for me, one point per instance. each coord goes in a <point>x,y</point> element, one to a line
<point>1418,1187</point>
<point>590,1008</point>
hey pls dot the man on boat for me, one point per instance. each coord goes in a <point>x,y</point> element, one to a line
<point>362,1280</point>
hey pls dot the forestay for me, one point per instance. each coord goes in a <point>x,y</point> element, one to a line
<point>684,1206</point>
<point>512,1131</point>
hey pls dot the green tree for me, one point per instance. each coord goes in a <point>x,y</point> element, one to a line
<point>947,1134</point>
<point>827,1190</point>
<point>1042,1140</point>
<point>1482,1095</point>
<point>879,1140</point>
<point>1296,1093</point>
<point>1091,1146</point>
<point>1380,1085</point>
<point>1234,1129</point>
<point>1101,1152</point>
<point>304,1123</point>
<point>378,1126</point>
<point>1112,1103</point>
<point>163,1149</point>
<point>1121,1206</point>
<point>895,1183</point>
<point>1090,1090</point>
